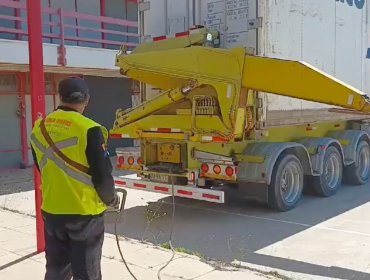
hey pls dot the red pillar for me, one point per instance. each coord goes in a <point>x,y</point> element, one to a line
<point>37,97</point>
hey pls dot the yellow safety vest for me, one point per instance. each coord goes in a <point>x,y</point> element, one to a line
<point>66,189</point>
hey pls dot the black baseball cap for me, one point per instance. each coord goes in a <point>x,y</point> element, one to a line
<point>73,90</point>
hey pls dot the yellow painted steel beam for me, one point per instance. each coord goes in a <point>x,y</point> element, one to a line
<point>300,80</point>
<point>173,68</point>
<point>176,67</point>
<point>159,102</point>
<point>198,38</point>
<point>143,126</point>
<point>156,135</point>
<point>219,68</point>
<point>227,71</point>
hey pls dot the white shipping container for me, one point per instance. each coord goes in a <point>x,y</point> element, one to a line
<point>331,35</point>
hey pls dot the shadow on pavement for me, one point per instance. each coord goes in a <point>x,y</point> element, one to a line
<point>238,229</point>
<point>307,268</point>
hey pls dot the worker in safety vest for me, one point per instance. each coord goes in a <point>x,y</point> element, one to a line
<point>77,186</point>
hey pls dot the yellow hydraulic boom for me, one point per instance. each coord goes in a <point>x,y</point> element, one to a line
<point>227,72</point>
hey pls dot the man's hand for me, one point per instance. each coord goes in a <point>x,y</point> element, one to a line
<point>115,203</point>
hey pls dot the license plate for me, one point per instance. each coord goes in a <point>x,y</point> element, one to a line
<point>159,178</point>
<point>169,153</point>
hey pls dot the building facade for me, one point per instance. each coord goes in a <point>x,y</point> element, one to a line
<point>81,37</point>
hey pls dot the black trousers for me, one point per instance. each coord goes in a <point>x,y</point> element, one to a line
<point>73,246</point>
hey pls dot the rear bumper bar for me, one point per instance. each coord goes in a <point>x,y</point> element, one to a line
<point>190,191</point>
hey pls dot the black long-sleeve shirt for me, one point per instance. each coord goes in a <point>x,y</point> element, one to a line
<point>100,166</point>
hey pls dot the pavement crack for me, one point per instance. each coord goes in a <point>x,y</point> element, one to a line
<point>272,273</point>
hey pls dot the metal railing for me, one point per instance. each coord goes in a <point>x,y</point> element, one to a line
<point>86,30</point>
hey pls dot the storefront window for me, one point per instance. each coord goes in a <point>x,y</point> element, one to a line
<point>8,83</point>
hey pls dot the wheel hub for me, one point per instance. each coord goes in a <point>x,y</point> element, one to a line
<point>364,162</point>
<point>289,182</point>
<point>332,171</point>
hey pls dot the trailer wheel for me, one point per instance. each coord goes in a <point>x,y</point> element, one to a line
<point>330,180</point>
<point>286,185</point>
<point>358,173</point>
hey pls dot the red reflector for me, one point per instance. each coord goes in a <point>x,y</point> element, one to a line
<point>181,34</point>
<point>205,167</point>
<point>121,183</point>
<point>159,38</point>
<point>162,189</point>
<point>140,161</point>
<point>131,160</point>
<point>121,160</point>
<point>115,136</point>
<point>217,169</point>
<point>210,196</point>
<point>236,170</point>
<point>184,192</point>
<point>164,130</point>
<point>142,186</point>
<point>219,139</point>
<point>229,171</point>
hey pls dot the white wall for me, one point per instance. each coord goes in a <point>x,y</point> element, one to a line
<point>16,52</point>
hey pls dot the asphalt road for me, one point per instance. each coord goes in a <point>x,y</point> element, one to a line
<point>322,237</point>
<point>16,180</point>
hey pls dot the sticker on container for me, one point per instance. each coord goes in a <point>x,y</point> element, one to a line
<point>350,99</point>
<point>229,91</point>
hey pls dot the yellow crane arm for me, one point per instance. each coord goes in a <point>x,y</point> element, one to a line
<point>227,71</point>
<point>125,117</point>
<point>301,80</point>
<point>196,37</point>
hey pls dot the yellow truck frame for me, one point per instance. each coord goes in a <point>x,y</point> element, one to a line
<point>202,128</point>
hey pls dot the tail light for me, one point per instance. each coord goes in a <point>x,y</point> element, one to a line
<point>205,167</point>
<point>130,160</point>
<point>140,161</point>
<point>217,169</point>
<point>121,160</point>
<point>229,171</point>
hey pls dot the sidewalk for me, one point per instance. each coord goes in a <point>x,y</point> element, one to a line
<point>18,260</point>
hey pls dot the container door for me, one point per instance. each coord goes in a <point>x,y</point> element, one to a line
<point>236,20</point>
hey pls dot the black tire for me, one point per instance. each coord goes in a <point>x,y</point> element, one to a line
<point>358,173</point>
<point>328,183</point>
<point>278,199</point>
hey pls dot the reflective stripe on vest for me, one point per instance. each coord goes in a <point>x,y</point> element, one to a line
<point>48,154</point>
